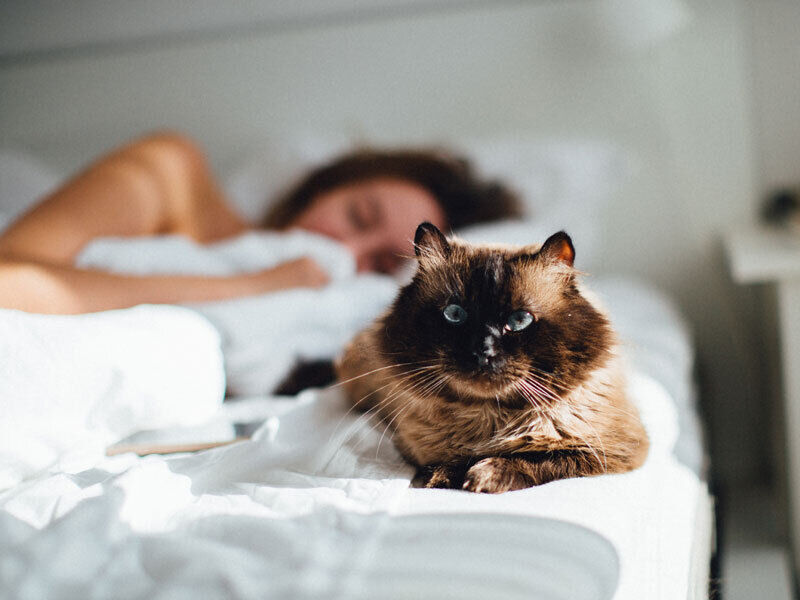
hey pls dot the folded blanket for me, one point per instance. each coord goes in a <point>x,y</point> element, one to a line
<point>70,384</point>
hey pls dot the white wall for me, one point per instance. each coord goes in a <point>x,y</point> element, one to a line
<point>681,108</point>
<point>775,68</point>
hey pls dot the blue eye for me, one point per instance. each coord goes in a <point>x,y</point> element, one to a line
<point>455,314</point>
<point>519,320</point>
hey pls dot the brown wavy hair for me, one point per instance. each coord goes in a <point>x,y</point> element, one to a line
<point>465,198</point>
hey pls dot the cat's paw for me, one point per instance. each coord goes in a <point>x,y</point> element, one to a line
<point>439,476</point>
<point>495,475</point>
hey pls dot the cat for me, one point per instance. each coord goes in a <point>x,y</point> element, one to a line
<point>495,371</point>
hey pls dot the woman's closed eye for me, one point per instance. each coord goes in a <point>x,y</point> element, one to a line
<point>364,213</point>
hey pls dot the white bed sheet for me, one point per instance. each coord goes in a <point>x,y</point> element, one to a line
<point>318,505</point>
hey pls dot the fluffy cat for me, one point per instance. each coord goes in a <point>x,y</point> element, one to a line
<point>495,371</point>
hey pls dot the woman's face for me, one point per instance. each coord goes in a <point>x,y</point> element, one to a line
<point>376,219</point>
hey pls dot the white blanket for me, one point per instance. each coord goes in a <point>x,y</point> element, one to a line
<point>70,385</point>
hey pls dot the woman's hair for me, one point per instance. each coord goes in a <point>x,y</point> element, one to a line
<point>464,197</point>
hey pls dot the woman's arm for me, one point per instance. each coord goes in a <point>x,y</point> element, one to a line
<point>157,184</point>
<point>58,289</point>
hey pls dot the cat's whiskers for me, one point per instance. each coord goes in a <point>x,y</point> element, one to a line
<point>392,366</point>
<point>547,378</point>
<point>373,410</point>
<point>429,389</point>
<point>539,396</point>
<point>531,392</point>
<point>405,374</point>
<point>425,386</point>
<point>357,404</point>
<point>398,387</point>
<point>402,388</point>
<point>542,389</point>
<point>392,416</point>
<point>520,387</point>
<point>407,378</point>
<point>548,381</point>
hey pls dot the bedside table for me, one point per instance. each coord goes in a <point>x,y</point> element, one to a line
<point>772,256</point>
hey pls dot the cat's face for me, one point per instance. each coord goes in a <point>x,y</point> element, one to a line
<point>501,324</point>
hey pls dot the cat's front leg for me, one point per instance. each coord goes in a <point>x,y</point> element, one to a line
<point>505,473</point>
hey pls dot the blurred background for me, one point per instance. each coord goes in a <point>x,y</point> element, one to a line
<point>694,101</point>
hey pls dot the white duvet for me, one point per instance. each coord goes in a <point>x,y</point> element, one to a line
<point>318,503</point>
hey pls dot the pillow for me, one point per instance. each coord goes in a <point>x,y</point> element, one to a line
<point>261,174</point>
<point>563,183</point>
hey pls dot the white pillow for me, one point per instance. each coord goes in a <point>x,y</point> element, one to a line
<point>263,173</point>
<point>550,174</point>
<point>563,183</point>
<point>561,174</point>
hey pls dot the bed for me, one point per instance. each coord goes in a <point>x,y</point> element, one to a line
<point>318,504</point>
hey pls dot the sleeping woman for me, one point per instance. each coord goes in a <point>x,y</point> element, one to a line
<point>369,201</point>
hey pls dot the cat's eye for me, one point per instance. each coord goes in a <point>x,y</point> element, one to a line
<point>455,314</point>
<point>519,320</point>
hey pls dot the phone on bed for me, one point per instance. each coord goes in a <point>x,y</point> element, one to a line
<point>173,440</point>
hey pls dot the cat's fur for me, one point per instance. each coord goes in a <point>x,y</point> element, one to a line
<point>481,407</point>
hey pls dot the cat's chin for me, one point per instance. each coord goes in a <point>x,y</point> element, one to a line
<point>481,387</point>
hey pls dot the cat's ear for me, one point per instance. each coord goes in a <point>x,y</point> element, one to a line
<point>558,247</point>
<point>429,242</point>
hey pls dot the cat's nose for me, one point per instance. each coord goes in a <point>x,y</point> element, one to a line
<point>486,354</point>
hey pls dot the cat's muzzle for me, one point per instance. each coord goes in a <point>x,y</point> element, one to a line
<point>490,364</point>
